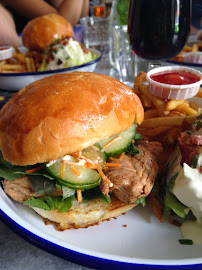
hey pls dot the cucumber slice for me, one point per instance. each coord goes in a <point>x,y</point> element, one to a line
<point>77,186</point>
<point>119,146</point>
<point>96,154</point>
<point>88,178</point>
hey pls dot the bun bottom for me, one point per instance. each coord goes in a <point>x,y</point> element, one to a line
<point>83,215</point>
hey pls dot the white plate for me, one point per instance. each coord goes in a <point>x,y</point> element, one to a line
<point>191,65</point>
<point>16,81</point>
<point>134,240</point>
<point>197,66</point>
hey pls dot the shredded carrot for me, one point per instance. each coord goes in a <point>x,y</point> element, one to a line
<point>79,195</point>
<point>87,160</point>
<point>104,177</point>
<point>77,172</point>
<point>111,142</point>
<point>119,158</point>
<point>112,165</point>
<point>35,169</point>
<point>63,170</point>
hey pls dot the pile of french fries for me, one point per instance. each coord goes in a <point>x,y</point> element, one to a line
<point>163,122</point>
<point>20,62</point>
<point>196,47</point>
<point>162,118</point>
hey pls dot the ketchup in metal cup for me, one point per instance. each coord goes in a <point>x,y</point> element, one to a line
<point>175,77</point>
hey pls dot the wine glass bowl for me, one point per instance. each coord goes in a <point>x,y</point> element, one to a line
<point>158,29</point>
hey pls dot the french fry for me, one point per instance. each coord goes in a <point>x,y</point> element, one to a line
<point>32,64</point>
<point>17,50</point>
<point>162,121</point>
<point>146,101</point>
<point>1,64</point>
<point>199,94</point>
<point>14,71</point>
<point>21,62</point>
<point>138,81</point>
<point>193,105</point>
<point>187,49</point>
<point>194,48</point>
<point>28,64</point>
<point>20,57</point>
<point>172,104</point>
<point>12,67</point>
<point>186,109</point>
<point>171,136</point>
<point>156,101</point>
<point>156,131</point>
<point>151,113</point>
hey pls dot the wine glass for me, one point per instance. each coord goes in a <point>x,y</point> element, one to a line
<point>158,29</point>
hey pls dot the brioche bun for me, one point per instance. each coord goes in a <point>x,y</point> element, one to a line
<point>65,113</point>
<point>83,215</point>
<point>41,31</point>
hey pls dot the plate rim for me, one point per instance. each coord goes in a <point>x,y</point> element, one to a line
<point>38,73</point>
<point>184,63</point>
<point>84,256</point>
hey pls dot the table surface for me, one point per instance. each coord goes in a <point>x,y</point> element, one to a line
<point>18,254</point>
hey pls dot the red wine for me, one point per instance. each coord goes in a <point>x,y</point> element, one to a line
<point>158,29</point>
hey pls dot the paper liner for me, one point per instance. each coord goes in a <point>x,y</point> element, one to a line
<point>167,91</point>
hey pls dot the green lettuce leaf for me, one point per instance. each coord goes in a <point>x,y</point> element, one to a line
<point>48,203</point>
<point>132,149</point>
<point>94,193</point>
<point>173,204</point>
<point>41,185</point>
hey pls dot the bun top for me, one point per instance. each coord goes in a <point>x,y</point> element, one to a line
<point>41,31</point>
<point>65,113</point>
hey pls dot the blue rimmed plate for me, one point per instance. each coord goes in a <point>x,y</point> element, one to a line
<point>16,81</point>
<point>191,65</point>
<point>136,240</point>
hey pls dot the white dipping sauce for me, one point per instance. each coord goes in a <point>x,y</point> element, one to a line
<point>188,190</point>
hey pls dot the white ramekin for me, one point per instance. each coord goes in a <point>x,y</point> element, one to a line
<point>6,53</point>
<point>171,91</point>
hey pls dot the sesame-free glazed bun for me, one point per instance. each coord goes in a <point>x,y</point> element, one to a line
<point>41,31</point>
<point>83,215</point>
<point>65,113</point>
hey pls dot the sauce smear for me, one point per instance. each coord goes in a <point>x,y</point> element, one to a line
<point>175,78</point>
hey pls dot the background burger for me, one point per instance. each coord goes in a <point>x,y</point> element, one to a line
<point>50,41</point>
<point>68,149</point>
<point>40,32</point>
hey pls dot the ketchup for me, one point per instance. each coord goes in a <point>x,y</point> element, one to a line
<point>175,77</point>
<point>2,49</point>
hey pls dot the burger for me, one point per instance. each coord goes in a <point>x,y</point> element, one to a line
<point>183,193</point>
<point>49,40</point>
<point>71,152</point>
<point>40,32</point>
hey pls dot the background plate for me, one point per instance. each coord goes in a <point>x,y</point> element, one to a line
<point>16,81</point>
